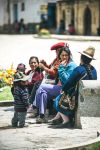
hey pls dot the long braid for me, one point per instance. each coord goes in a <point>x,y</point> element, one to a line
<point>88,69</point>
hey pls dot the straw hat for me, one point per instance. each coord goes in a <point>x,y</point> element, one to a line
<point>89,52</point>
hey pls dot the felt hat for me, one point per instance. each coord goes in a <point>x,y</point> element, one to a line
<point>89,52</point>
<point>20,76</point>
<point>59,45</point>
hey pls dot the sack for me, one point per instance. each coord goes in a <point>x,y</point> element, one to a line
<point>66,102</point>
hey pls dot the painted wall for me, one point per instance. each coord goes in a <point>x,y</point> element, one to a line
<point>3,12</point>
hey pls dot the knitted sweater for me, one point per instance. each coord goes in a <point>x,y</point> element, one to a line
<point>21,98</point>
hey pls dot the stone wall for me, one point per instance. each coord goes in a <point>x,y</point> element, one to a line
<point>89,98</point>
<point>88,101</point>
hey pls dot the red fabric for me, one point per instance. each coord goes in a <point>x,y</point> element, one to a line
<point>53,68</point>
<point>37,76</point>
<point>58,45</point>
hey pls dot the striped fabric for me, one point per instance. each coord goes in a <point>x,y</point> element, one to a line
<point>21,99</point>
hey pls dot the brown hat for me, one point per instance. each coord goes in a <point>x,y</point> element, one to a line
<point>89,52</point>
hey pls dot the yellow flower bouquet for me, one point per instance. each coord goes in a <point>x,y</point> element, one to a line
<point>7,76</point>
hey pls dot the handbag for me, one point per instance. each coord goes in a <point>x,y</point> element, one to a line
<point>67,102</point>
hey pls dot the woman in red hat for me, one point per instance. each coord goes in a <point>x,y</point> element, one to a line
<point>50,72</point>
<point>46,92</point>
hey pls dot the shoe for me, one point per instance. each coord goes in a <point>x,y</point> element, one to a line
<point>41,120</point>
<point>34,113</point>
<point>55,121</point>
<point>14,126</point>
<point>30,109</point>
<point>62,125</point>
<point>22,126</point>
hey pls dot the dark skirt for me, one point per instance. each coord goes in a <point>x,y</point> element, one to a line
<point>69,113</point>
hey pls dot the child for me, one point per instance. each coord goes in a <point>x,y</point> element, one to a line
<point>21,98</point>
<point>20,68</point>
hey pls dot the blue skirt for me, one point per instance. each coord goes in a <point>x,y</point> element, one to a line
<point>69,113</point>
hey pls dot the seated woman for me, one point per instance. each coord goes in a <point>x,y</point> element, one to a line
<point>35,74</point>
<point>51,73</point>
<point>47,92</point>
<point>84,71</point>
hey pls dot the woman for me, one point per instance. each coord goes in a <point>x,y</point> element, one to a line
<point>51,73</point>
<point>84,71</point>
<point>35,75</point>
<point>46,92</point>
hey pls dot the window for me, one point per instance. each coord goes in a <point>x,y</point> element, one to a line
<point>22,7</point>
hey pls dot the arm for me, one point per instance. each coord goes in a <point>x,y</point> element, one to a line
<point>65,72</point>
<point>53,68</point>
<point>76,75</point>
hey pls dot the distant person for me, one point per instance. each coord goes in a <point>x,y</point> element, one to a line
<point>21,26</point>
<point>21,100</point>
<point>16,26</point>
<point>71,29</point>
<point>61,28</point>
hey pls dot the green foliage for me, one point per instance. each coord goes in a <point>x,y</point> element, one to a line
<point>6,94</point>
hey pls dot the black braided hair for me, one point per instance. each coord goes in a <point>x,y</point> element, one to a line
<point>86,63</point>
<point>88,69</point>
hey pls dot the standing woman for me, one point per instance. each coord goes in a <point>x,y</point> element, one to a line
<point>85,71</point>
<point>47,92</point>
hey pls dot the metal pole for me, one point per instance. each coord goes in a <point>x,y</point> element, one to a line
<point>9,19</point>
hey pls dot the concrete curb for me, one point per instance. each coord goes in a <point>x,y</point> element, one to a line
<point>90,145</point>
<point>6,103</point>
<point>69,37</point>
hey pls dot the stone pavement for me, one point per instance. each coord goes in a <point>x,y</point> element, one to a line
<point>40,137</point>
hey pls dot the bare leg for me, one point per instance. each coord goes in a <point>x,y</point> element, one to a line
<point>64,118</point>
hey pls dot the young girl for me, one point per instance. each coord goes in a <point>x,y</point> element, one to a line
<point>21,98</point>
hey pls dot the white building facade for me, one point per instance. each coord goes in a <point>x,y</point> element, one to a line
<point>29,10</point>
<point>3,12</point>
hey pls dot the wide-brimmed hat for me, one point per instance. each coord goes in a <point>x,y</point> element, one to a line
<point>59,45</point>
<point>19,76</point>
<point>89,52</point>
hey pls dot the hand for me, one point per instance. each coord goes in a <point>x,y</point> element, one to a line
<point>43,62</point>
<point>41,65</point>
<point>64,63</point>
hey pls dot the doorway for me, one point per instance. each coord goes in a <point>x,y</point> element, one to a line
<point>87,21</point>
<point>51,15</point>
<point>15,12</point>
